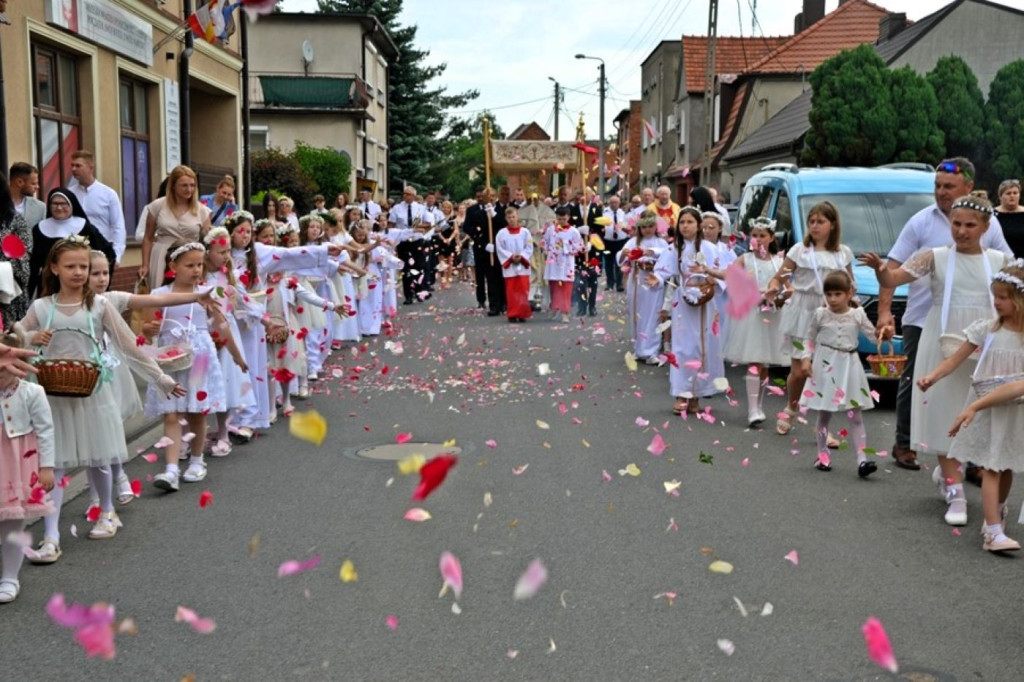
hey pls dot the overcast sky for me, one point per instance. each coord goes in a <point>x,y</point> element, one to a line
<point>508,49</point>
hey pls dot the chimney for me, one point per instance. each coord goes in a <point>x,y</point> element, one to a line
<point>890,25</point>
<point>813,11</point>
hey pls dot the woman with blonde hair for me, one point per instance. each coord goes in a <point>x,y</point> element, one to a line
<point>177,216</point>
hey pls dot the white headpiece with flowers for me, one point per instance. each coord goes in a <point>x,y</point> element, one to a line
<point>237,218</point>
<point>217,235</point>
<point>185,248</point>
<point>286,229</point>
<point>1013,280</point>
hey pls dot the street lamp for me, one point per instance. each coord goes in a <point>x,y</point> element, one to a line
<point>600,139</point>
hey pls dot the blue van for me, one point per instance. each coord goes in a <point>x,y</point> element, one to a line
<point>874,204</point>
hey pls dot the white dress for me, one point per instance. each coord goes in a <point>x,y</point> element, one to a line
<point>838,381</point>
<point>726,257</point>
<point>89,431</point>
<point>126,393</point>
<point>561,247</point>
<point>993,439</point>
<point>643,302</point>
<point>370,292</point>
<point>755,338</point>
<point>238,387</point>
<point>932,413</point>
<point>692,335</point>
<point>346,326</point>
<point>811,269</point>
<point>204,381</point>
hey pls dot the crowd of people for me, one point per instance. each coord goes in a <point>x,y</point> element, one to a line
<point>239,316</point>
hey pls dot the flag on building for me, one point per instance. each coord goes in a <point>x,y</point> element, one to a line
<point>652,134</point>
<point>204,20</point>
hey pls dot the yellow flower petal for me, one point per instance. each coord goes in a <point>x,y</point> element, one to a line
<point>672,485</point>
<point>411,464</point>
<point>308,426</point>
<point>348,572</point>
<point>630,362</point>
<point>631,469</point>
<point>449,443</point>
<point>542,425</point>
<point>720,566</point>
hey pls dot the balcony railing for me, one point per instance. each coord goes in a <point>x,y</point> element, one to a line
<point>300,91</point>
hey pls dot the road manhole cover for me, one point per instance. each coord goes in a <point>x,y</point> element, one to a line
<point>394,452</point>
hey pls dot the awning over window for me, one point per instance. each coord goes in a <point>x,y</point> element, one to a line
<point>312,92</point>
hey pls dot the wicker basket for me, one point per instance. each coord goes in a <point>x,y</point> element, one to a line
<point>704,284</point>
<point>887,365</point>
<point>67,377</point>
<point>174,357</point>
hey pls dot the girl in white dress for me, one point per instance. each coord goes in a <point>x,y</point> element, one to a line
<point>696,368</point>
<point>189,327</point>
<point>238,388</point>
<point>837,382</point>
<point>88,430</point>
<point>562,242</point>
<point>992,442</point>
<point>960,278</point>
<point>122,384</point>
<point>809,262</point>
<point>320,327</point>
<point>370,285</point>
<point>346,324</point>
<point>711,226</point>
<point>755,339</point>
<point>636,259</point>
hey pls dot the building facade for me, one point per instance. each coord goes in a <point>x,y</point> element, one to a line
<point>106,76</point>
<point>659,73</point>
<point>322,79</point>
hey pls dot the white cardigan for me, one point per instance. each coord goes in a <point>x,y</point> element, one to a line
<point>27,411</point>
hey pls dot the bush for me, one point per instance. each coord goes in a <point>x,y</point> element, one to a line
<point>329,169</point>
<point>274,170</point>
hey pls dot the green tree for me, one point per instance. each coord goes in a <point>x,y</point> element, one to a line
<point>458,168</point>
<point>852,118</point>
<point>961,107</point>
<point>329,169</point>
<point>918,137</point>
<point>1005,138</point>
<point>416,109</point>
<point>274,170</point>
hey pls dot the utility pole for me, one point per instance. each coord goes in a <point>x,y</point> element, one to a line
<point>558,106</point>
<point>600,141</point>
<point>709,91</point>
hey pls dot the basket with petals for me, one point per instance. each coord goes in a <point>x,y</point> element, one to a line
<point>175,357</point>
<point>698,290</point>
<point>887,364</point>
<point>67,377</point>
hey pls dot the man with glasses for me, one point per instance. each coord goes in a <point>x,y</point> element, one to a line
<point>929,228</point>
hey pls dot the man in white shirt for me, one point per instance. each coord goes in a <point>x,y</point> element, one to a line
<point>407,215</point>
<point>24,185</point>
<point>101,204</point>
<point>636,208</point>
<point>614,238</point>
<point>722,210</point>
<point>367,205</point>
<point>929,228</point>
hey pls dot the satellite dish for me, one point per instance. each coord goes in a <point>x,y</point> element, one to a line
<point>307,52</point>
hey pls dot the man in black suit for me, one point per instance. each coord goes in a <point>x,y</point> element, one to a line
<point>490,284</point>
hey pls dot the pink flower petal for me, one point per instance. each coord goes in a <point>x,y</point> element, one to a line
<point>417,514</point>
<point>291,567</point>
<point>744,294</point>
<point>491,443</point>
<point>451,571</point>
<point>149,457</point>
<point>793,558</point>
<point>78,615</point>
<point>531,580</point>
<point>605,475</point>
<point>657,445</point>
<point>391,622</point>
<point>878,645</point>
<point>693,364</point>
<point>403,438</point>
<point>203,626</point>
<point>98,640</point>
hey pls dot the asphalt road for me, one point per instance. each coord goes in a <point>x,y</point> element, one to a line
<point>865,548</point>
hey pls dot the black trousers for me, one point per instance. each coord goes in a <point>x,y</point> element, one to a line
<point>411,255</point>
<point>611,265</point>
<point>490,283</point>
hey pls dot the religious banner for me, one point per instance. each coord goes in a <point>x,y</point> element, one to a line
<point>510,156</point>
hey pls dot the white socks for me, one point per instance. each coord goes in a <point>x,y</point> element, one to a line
<point>11,553</point>
<point>101,482</point>
<point>51,522</point>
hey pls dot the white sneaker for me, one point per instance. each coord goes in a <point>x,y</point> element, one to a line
<point>9,590</point>
<point>755,418</point>
<point>195,472</point>
<point>168,481</point>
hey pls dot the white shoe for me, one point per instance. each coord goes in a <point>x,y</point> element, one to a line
<point>652,360</point>
<point>168,481</point>
<point>956,512</point>
<point>9,590</point>
<point>196,472</point>
<point>313,376</point>
<point>939,481</point>
<point>755,417</point>
<point>106,527</point>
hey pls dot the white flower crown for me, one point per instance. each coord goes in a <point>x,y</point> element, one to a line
<point>185,248</point>
<point>1007,278</point>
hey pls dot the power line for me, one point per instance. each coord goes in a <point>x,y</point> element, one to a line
<point>668,25</point>
<point>642,43</point>
<point>502,106</point>
<point>640,25</point>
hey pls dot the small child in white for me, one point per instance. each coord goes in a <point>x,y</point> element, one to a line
<point>837,379</point>
<point>514,246</point>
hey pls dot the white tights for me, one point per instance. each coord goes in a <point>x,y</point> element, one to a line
<point>100,481</point>
<point>11,553</point>
<point>857,432</point>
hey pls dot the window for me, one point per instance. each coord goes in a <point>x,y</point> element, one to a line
<point>784,220</point>
<point>57,123</point>
<point>135,184</point>
<point>259,138</point>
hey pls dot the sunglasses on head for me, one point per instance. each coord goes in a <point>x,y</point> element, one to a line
<point>950,167</point>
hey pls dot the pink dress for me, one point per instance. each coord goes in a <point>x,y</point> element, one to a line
<point>20,458</point>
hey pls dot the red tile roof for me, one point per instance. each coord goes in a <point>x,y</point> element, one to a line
<point>732,55</point>
<point>739,101</point>
<point>852,23</point>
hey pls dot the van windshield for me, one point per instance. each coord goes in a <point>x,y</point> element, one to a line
<point>870,222</point>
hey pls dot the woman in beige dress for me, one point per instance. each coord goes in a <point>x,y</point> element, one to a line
<point>179,215</point>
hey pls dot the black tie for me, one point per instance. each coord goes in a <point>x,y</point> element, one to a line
<point>408,207</point>
<point>366,209</point>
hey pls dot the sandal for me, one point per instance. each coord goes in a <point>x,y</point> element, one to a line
<point>680,406</point>
<point>106,527</point>
<point>124,490</point>
<point>47,552</point>
<point>692,406</point>
<point>9,590</point>
<point>784,423</point>
<point>832,442</point>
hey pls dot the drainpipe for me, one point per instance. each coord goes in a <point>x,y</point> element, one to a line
<point>362,59</point>
<point>183,88</point>
<point>246,193</point>
<point>3,121</point>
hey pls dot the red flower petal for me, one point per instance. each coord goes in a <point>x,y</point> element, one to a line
<point>136,487</point>
<point>432,474</point>
<point>140,340</point>
<point>205,499</point>
<point>13,247</point>
<point>201,395</point>
<point>93,514</point>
